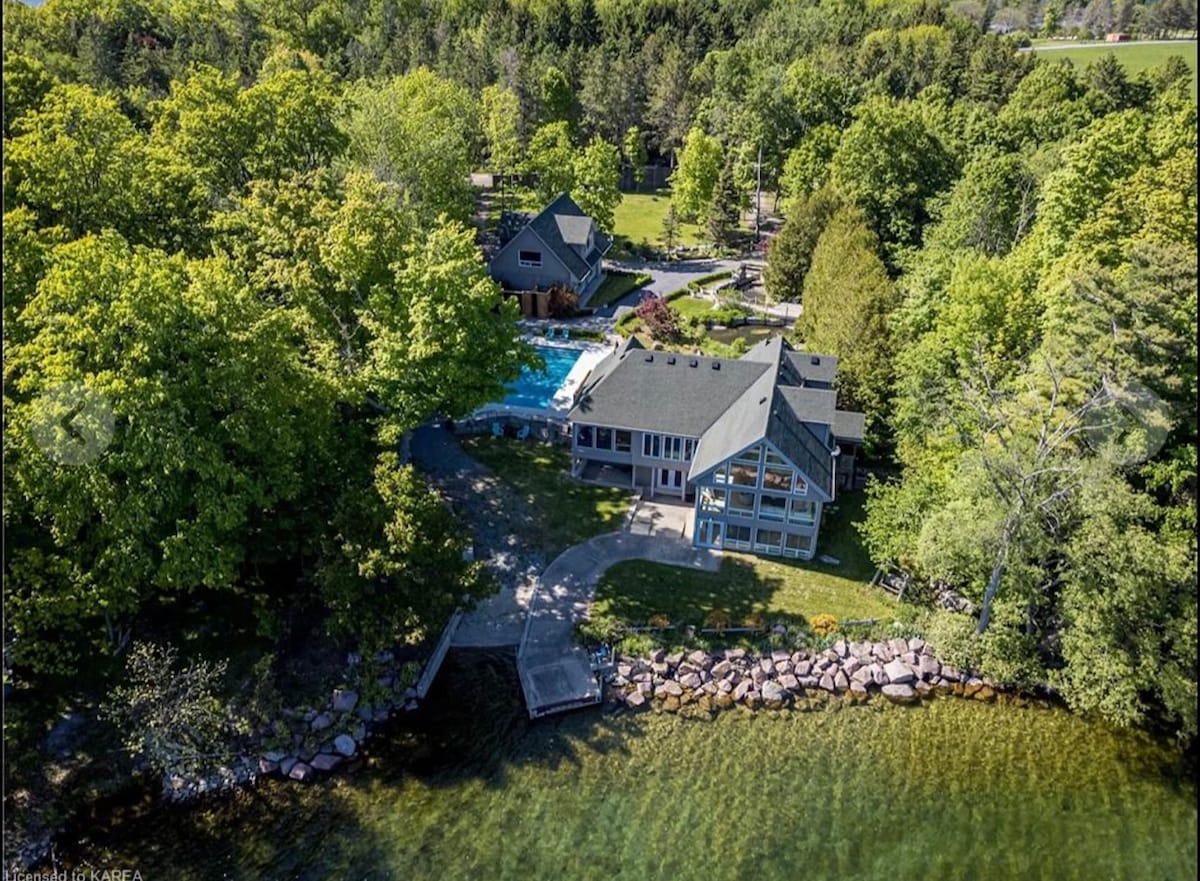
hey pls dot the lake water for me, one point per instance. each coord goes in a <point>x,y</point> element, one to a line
<point>468,789</point>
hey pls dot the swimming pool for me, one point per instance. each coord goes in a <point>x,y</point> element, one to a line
<point>536,388</point>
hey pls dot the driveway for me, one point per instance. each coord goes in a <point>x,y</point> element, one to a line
<point>665,277</point>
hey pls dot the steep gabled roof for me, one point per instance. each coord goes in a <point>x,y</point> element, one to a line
<point>562,225</point>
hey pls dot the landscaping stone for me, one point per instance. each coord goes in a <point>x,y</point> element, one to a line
<point>658,656</point>
<point>300,771</point>
<point>782,667</point>
<point>674,658</point>
<point>841,649</point>
<point>326,762</point>
<point>743,688</point>
<point>899,694</point>
<point>898,672</point>
<point>721,669</point>
<point>672,688</point>
<point>840,681</point>
<point>267,766</point>
<point>826,683</point>
<point>790,682</point>
<point>690,680</point>
<point>766,665</point>
<point>344,700</point>
<point>345,744</point>
<point>635,699</point>
<point>928,667</point>
<point>773,692</point>
<point>803,668</point>
<point>985,693</point>
<point>734,654</point>
<point>321,722</point>
<point>857,687</point>
<point>700,659</point>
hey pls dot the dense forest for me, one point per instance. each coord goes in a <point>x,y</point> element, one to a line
<point>247,226</point>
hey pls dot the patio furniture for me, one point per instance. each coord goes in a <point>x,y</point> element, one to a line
<point>564,334</point>
<point>523,432</point>
<point>497,431</point>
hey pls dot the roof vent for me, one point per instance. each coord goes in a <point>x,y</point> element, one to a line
<point>693,363</point>
<point>762,401</point>
<point>816,359</point>
<point>649,358</point>
<point>671,359</point>
<point>716,365</point>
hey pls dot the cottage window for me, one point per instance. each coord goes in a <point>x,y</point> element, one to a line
<point>712,500</point>
<point>775,459</point>
<point>529,259</point>
<point>750,455</point>
<point>802,512</point>
<point>737,537</point>
<point>604,438</point>
<point>689,447</point>
<point>796,545</point>
<point>801,486</point>
<point>777,478</point>
<point>624,441</point>
<point>721,475</point>
<point>584,436</point>
<point>741,503</point>
<point>772,507</point>
<point>768,541</point>
<point>743,475</point>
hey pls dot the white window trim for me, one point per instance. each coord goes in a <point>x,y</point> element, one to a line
<point>529,264</point>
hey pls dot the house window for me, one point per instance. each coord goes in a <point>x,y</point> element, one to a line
<point>721,475</point>
<point>777,478</point>
<point>775,459</point>
<point>604,438</point>
<point>796,545</point>
<point>584,436</point>
<point>624,441</point>
<point>529,259</point>
<point>768,541</point>
<point>750,455</point>
<point>802,512</point>
<point>741,503</point>
<point>743,475</point>
<point>772,507</point>
<point>737,537</point>
<point>712,500</point>
<point>801,486</point>
<point>689,447</point>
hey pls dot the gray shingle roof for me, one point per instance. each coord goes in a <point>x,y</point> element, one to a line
<point>848,425</point>
<point>562,225</point>
<point>772,392</point>
<point>663,392</point>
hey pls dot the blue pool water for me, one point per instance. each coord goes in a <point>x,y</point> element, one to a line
<point>536,388</point>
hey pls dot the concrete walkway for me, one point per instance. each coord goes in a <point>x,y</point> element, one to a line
<point>555,672</point>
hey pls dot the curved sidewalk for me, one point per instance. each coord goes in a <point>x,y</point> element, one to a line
<point>556,673</point>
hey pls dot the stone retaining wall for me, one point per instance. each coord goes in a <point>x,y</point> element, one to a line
<point>903,671</point>
<point>321,740</point>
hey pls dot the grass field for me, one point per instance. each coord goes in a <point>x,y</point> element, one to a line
<point>1135,56</point>
<point>616,286</point>
<point>639,220</point>
<point>747,585</point>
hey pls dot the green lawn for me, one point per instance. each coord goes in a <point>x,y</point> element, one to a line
<point>639,220</point>
<point>715,343</point>
<point>1134,55</point>
<point>552,510</point>
<point>616,286</point>
<point>746,585</point>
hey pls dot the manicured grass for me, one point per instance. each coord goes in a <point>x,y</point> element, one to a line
<point>776,589</point>
<point>715,343</point>
<point>557,511</point>
<point>639,220</point>
<point>617,285</point>
<point>1135,56</point>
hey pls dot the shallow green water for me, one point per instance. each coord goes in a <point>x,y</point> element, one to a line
<point>949,790</point>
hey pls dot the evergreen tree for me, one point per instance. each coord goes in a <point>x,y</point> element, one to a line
<point>724,211</point>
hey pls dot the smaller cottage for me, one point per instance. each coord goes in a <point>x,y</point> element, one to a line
<point>561,245</point>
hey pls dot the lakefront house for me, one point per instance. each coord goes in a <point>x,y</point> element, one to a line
<point>756,443</point>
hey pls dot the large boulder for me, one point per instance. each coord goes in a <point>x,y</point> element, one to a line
<point>345,744</point>
<point>344,700</point>
<point>898,672</point>
<point>899,694</point>
<point>928,667</point>
<point>773,692</point>
<point>326,762</point>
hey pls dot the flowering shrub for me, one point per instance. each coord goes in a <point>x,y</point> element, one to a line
<point>658,318</point>
<point>823,625</point>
